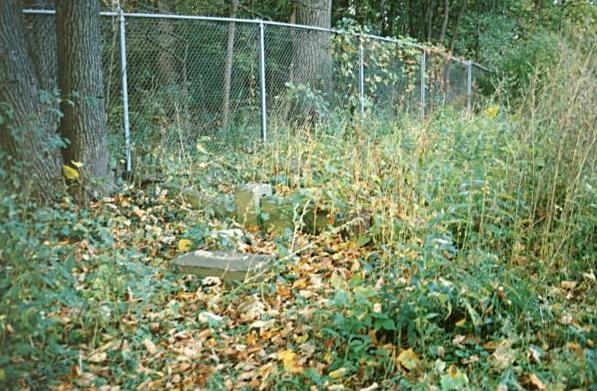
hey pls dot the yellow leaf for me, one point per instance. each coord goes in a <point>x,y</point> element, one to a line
<point>300,284</point>
<point>184,245</point>
<point>288,358</point>
<point>328,357</point>
<point>338,373</point>
<point>537,382</point>
<point>98,357</point>
<point>150,346</point>
<point>76,164</point>
<point>492,111</point>
<point>2,374</point>
<point>409,359</point>
<point>70,173</point>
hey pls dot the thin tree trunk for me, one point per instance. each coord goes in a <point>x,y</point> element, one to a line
<point>411,18</point>
<point>80,79</point>
<point>442,36</point>
<point>24,131</point>
<point>228,64</point>
<point>430,13</point>
<point>458,19</point>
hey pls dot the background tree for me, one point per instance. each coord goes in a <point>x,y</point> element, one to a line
<point>312,60</point>
<point>80,79</point>
<point>26,133</point>
<point>228,63</point>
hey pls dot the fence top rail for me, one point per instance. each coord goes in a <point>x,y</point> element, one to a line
<point>34,11</point>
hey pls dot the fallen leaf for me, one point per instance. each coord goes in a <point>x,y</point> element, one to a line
<point>150,346</point>
<point>454,379</point>
<point>288,358</point>
<point>338,373</point>
<point>98,357</point>
<point>208,317</point>
<point>409,359</point>
<point>537,382</point>
<point>184,245</point>
<point>372,387</point>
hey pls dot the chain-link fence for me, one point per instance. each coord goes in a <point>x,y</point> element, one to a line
<point>172,79</point>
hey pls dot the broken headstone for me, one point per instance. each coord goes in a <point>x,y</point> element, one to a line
<point>248,203</point>
<point>227,265</point>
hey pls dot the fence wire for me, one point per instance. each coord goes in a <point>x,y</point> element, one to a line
<point>195,77</point>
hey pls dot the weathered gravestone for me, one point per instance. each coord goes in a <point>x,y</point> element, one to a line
<point>227,265</point>
<point>248,203</point>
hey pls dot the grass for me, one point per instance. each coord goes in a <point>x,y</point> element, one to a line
<point>476,272</point>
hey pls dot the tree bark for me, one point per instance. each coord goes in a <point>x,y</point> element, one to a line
<point>430,14</point>
<point>458,19</point>
<point>24,131</point>
<point>167,44</point>
<point>442,36</point>
<point>228,64</point>
<point>311,53</point>
<point>42,40</point>
<point>80,79</point>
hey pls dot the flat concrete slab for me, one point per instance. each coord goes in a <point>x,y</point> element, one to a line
<point>227,265</point>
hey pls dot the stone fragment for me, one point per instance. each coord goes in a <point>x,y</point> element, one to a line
<point>277,213</point>
<point>227,265</point>
<point>248,203</point>
<point>222,206</point>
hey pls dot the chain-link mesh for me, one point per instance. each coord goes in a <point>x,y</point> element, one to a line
<point>195,77</point>
<point>391,77</point>
<point>190,78</point>
<point>311,76</point>
<point>447,80</point>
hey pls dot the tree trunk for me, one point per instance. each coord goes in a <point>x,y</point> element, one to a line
<point>166,45</point>
<point>42,40</point>
<point>442,36</point>
<point>311,52</point>
<point>80,79</point>
<point>228,64</point>
<point>458,19</point>
<point>24,131</point>
<point>430,15</point>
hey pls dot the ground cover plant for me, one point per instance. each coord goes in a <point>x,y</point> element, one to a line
<point>473,268</point>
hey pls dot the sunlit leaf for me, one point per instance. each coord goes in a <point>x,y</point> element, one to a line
<point>338,373</point>
<point>409,359</point>
<point>454,379</point>
<point>288,358</point>
<point>70,173</point>
<point>184,245</point>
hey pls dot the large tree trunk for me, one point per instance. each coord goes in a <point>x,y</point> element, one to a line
<point>24,131</point>
<point>167,44</point>
<point>312,59</point>
<point>228,64</point>
<point>42,40</point>
<point>80,79</point>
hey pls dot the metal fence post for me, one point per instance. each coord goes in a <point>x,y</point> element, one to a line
<point>423,82</point>
<point>469,85</point>
<point>361,76</point>
<point>262,80</point>
<point>125,93</point>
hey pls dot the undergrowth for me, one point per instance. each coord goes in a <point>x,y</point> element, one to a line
<point>476,269</point>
